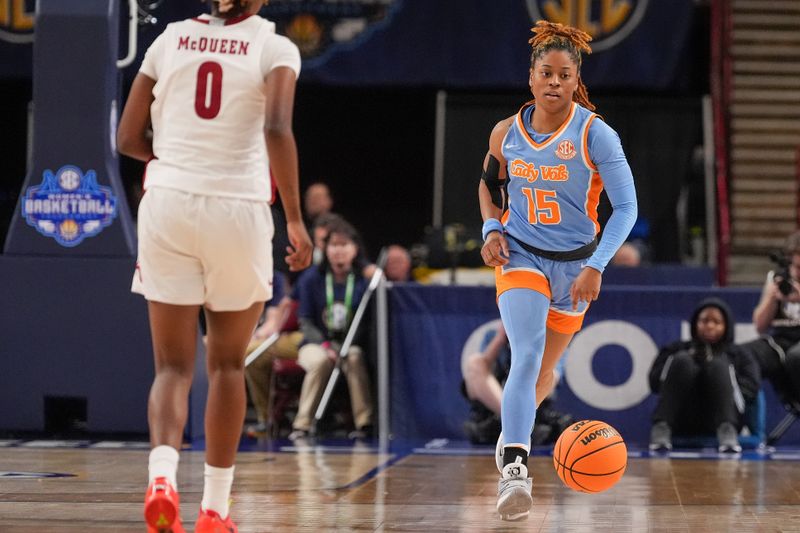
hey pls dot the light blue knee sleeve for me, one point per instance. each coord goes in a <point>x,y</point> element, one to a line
<point>524,314</point>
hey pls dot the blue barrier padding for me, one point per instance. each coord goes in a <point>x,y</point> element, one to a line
<point>72,328</point>
<point>603,379</point>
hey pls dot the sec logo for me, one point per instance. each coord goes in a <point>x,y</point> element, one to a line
<point>607,21</point>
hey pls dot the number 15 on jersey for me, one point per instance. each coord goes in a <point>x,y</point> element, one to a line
<point>543,207</point>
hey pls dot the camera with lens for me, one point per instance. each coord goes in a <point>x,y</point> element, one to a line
<point>782,276</point>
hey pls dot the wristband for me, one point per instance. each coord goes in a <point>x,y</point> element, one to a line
<point>490,225</point>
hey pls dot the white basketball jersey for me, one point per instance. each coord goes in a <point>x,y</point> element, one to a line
<point>209,105</point>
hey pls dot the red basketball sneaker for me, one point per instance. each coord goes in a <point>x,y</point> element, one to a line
<point>161,508</point>
<point>211,522</point>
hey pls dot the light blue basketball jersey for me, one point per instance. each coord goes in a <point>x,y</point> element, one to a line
<point>553,186</point>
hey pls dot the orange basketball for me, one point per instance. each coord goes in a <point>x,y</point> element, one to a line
<point>590,456</point>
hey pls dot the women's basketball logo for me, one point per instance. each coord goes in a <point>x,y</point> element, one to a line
<point>565,150</point>
<point>69,205</point>
<point>607,21</point>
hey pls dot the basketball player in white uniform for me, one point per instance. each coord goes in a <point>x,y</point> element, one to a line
<point>219,92</point>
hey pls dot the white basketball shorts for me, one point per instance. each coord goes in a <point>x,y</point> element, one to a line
<point>203,250</point>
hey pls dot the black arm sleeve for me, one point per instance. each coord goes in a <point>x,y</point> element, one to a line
<point>496,186</point>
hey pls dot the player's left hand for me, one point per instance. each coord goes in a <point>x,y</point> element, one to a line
<point>298,255</point>
<point>586,287</point>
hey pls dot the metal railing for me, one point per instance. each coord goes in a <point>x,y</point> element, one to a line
<point>133,32</point>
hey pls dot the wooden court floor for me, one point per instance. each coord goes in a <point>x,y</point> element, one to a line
<point>362,489</point>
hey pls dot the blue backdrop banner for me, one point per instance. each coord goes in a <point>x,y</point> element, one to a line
<point>605,370</point>
<point>639,44</point>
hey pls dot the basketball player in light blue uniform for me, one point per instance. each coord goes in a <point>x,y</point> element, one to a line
<point>543,175</point>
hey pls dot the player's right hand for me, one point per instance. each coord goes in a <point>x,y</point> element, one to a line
<point>298,255</point>
<point>495,250</point>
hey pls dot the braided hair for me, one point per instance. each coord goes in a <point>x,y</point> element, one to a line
<point>554,36</point>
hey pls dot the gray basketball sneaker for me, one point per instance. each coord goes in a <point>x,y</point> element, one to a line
<point>514,492</point>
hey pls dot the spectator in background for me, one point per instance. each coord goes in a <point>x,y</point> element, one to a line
<point>703,383</point>
<point>777,319</point>
<point>329,296</point>
<point>319,232</point>
<point>279,317</point>
<point>398,264</point>
<point>627,255</point>
<point>484,376</point>
<point>317,201</point>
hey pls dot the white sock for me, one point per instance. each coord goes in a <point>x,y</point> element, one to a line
<point>217,490</point>
<point>164,463</point>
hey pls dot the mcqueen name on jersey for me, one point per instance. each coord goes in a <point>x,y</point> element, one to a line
<point>524,170</point>
<point>214,46</point>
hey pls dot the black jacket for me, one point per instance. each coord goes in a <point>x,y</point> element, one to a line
<point>745,366</point>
